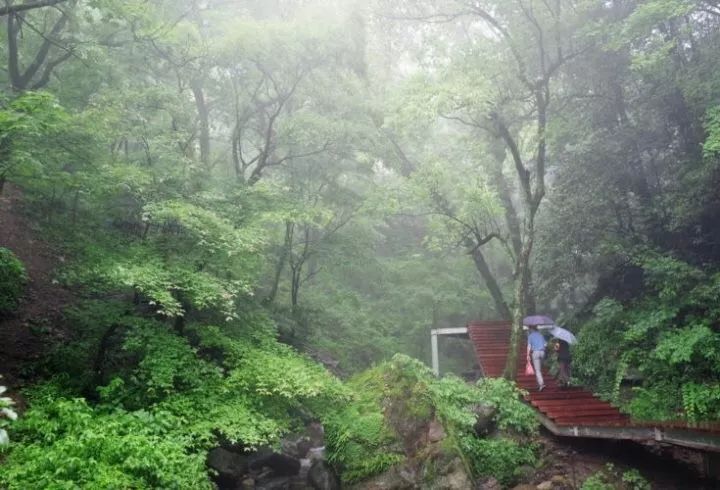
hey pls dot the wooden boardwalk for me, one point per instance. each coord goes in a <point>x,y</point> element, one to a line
<point>577,412</point>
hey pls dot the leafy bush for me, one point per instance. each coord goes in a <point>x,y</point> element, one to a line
<point>609,478</point>
<point>505,397</point>
<point>499,458</point>
<point>12,280</point>
<point>363,438</point>
<point>64,443</point>
<point>7,415</point>
<point>668,338</point>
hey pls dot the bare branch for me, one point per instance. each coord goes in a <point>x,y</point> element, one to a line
<point>28,5</point>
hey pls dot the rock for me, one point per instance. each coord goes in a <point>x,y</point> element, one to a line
<point>436,432</point>
<point>296,447</point>
<point>230,467</point>
<point>525,472</point>
<point>322,476</point>
<point>316,434</point>
<point>489,484</point>
<point>524,486</point>
<point>559,480</point>
<point>546,485</point>
<point>247,484</point>
<point>276,483</point>
<point>455,477</point>
<point>316,453</point>
<point>390,480</point>
<point>279,464</point>
<point>484,419</point>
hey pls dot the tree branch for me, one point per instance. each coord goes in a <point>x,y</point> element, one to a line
<point>28,5</point>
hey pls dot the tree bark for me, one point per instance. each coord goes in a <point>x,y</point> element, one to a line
<point>522,285</point>
<point>282,260</point>
<point>501,307</point>
<point>28,5</point>
<point>204,118</point>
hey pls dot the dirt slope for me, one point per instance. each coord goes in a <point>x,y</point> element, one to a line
<point>38,321</point>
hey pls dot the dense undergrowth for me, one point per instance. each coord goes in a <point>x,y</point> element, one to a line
<point>394,403</point>
<point>663,345</point>
<point>159,401</point>
<point>12,280</point>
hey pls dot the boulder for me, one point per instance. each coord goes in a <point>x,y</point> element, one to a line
<point>321,476</point>
<point>454,478</point>
<point>389,480</point>
<point>230,467</point>
<point>275,483</point>
<point>546,485</point>
<point>484,419</point>
<point>279,464</point>
<point>489,484</point>
<point>436,432</point>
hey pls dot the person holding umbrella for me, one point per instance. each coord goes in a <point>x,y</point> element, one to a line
<point>536,343</point>
<point>562,347</point>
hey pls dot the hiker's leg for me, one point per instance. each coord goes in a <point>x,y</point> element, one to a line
<point>537,366</point>
<point>564,374</point>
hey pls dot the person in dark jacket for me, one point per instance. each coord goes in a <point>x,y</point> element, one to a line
<point>562,349</point>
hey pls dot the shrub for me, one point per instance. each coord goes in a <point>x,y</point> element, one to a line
<point>62,443</point>
<point>12,280</point>
<point>364,436</point>
<point>609,478</point>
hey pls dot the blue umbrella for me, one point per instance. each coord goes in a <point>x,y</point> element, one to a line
<point>563,334</point>
<point>535,320</point>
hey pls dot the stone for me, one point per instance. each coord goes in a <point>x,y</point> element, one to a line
<point>230,467</point>
<point>546,485</point>
<point>484,419</point>
<point>525,473</point>
<point>279,464</point>
<point>276,483</point>
<point>389,480</point>
<point>247,484</point>
<point>524,486</point>
<point>559,480</point>
<point>489,484</point>
<point>436,432</point>
<point>316,453</point>
<point>321,476</point>
<point>455,477</point>
<point>316,434</point>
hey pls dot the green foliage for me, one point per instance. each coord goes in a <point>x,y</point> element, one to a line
<point>28,126</point>
<point>12,280</point>
<point>358,438</point>
<point>610,478</point>
<point>364,436</point>
<point>667,337</point>
<point>711,147</point>
<point>500,458</point>
<point>64,443</point>
<point>505,397</point>
<point>7,415</point>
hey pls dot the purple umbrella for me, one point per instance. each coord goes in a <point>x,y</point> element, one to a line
<point>535,320</point>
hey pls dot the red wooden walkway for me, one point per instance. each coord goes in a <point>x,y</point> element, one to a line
<point>569,407</point>
<point>576,411</point>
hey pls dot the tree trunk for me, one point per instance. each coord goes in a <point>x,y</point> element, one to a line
<point>501,307</point>
<point>522,287</point>
<point>282,260</point>
<point>204,118</point>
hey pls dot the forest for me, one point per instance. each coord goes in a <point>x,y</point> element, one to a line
<point>227,228</point>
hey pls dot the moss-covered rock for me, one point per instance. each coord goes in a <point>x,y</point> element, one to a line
<point>405,428</point>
